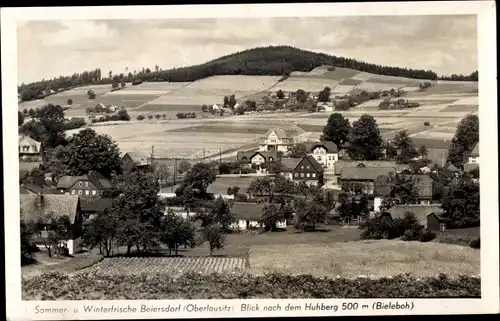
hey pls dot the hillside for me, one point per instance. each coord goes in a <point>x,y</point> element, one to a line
<point>262,61</point>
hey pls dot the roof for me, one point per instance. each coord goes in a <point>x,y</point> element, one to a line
<point>59,205</point>
<point>96,204</point>
<point>421,211</point>
<point>247,211</point>
<point>365,173</point>
<point>35,189</point>
<point>475,151</point>
<point>319,104</point>
<point>26,140</point>
<point>138,157</point>
<point>98,180</point>
<point>317,166</point>
<point>221,184</point>
<point>341,164</point>
<point>289,164</point>
<point>280,132</point>
<point>329,146</point>
<point>250,154</point>
<point>452,168</point>
<point>469,167</point>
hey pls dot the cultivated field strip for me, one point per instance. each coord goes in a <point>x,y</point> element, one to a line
<point>164,265</point>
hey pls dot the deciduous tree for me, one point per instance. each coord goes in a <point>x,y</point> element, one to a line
<point>365,140</point>
<point>461,204</point>
<point>405,150</point>
<point>337,130</point>
<point>466,137</point>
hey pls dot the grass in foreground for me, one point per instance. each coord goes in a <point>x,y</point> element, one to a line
<point>90,286</point>
<point>380,258</point>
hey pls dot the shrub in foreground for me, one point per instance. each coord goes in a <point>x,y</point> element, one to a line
<point>476,244</point>
<point>91,286</point>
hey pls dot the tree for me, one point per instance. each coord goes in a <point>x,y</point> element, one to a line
<point>115,84</point>
<point>204,108</point>
<point>139,211</point>
<point>324,95</point>
<point>301,96</point>
<point>365,140</point>
<point>280,94</point>
<point>20,118</point>
<point>309,214</point>
<point>251,105</point>
<point>461,203</point>
<point>53,231</point>
<point>177,231</point>
<point>157,116</point>
<point>232,101</point>
<point>91,94</point>
<point>162,172</point>
<point>46,126</point>
<point>233,190</point>
<point>337,130</point>
<point>164,116</point>
<point>101,232</point>
<point>27,246</point>
<point>140,117</point>
<point>215,236</point>
<point>87,151</point>
<point>123,83</point>
<point>150,117</point>
<point>299,150</point>
<point>272,214</point>
<point>183,167</point>
<point>225,102</point>
<point>224,168</point>
<point>123,115</point>
<point>466,137</point>
<point>404,147</point>
<point>196,181</point>
<point>217,211</point>
<point>402,190</point>
<point>423,151</point>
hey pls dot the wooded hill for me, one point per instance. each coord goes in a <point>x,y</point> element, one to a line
<point>272,60</point>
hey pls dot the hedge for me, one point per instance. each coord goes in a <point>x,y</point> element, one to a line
<point>92,286</point>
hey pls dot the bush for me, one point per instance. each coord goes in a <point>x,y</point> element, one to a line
<point>427,123</point>
<point>426,236</point>
<point>74,123</point>
<point>70,101</point>
<point>192,286</point>
<point>476,244</point>
<point>185,115</point>
<point>136,82</point>
<point>140,117</point>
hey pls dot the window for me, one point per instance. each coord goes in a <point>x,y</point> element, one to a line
<point>87,192</point>
<point>79,192</point>
<point>314,174</point>
<point>80,184</point>
<point>94,192</point>
<point>302,167</point>
<point>308,175</point>
<point>86,184</point>
<point>319,158</point>
<point>270,159</point>
<point>296,174</point>
<point>308,166</point>
<point>301,174</point>
<point>73,192</point>
<point>329,157</point>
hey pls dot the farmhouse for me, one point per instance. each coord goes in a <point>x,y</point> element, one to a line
<point>37,209</point>
<point>277,140</point>
<point>364,177</point>
<point>430,216</point>
<point>474,155</point>
<point>423,183</point>
<point>288,165</point>
<point>135,160</point>
<point>247,216</point>
<point>91,185</point>
<point>29,148</point>
<point>326,107</point>
<point>309,171</point>
<point>472,165</point>
<point>341,164</point>
<point>257,157</point>
<point>326,153</point>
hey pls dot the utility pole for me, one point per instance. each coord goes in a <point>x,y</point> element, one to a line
<point>203,153</point>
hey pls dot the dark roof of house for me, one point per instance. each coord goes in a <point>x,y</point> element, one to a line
<point>35,189</point>
<point>98,180</point>
<point>289,164</point>
<point>58,205</point>
<point>451,168</point>
<point>249,154</point>
<point>329,146</point>
<point>95,204</point>
<point>365,173</point>
<point>421,211</point>
<point>317,166</point>
<point>475,151</point>
<point>341,164</point>
<point>138,157</point>
<point>247,211</point>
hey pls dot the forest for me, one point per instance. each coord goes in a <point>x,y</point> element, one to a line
<point>270,61</point>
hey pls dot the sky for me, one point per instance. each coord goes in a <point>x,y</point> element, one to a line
<point>444,44</point>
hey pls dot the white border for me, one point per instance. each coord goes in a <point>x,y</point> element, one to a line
<point>489,303</point>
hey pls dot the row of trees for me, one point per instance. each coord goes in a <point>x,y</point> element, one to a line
<point>465,139</point>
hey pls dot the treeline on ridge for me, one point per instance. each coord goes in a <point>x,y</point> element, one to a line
<point>261,61</point>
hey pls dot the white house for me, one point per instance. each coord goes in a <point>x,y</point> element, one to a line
<point>278,140</point>
<point>326,107</point>
<point>257,157</point>
<point>180,211</point>
<point>474,155</point>
<point>248,216</point>
<point>326,153</point>
<point>216,107</point>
